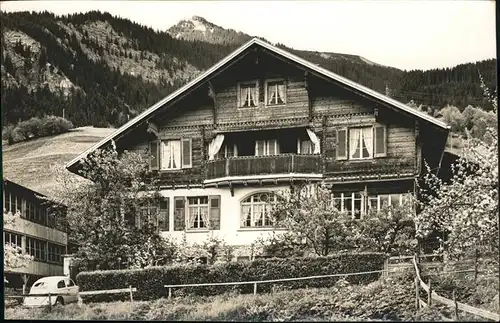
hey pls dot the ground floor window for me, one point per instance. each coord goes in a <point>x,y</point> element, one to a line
<point>197,212</point>
<point>12,238</point>
<point>55,253</point>
<point>358,204</point>
<point>255,210</point>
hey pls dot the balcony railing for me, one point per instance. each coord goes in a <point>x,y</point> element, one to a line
<point>262,165</point>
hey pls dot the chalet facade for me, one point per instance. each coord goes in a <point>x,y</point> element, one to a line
<point>263,120</point>
<point>38,232</point>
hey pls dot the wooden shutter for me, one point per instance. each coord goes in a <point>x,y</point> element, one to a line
<point>179,213</point>
<point>341,144</point>
<point>214,212</point>
<point>154,155</point>
<point>163,214</point>
<point>187,158</point>
<point>380,141</point>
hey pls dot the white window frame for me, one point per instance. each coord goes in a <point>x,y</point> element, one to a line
<point>360,143</point>
<point>161,162</point>
<point>198,207</point>
<point>266,91</point>
<point>299,146</point>
<point>352,196</point>
<point>252,205</point>
<point>267,145</point>
<point>241,100</point>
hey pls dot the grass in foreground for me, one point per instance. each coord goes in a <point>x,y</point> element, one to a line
<point>386,299</point>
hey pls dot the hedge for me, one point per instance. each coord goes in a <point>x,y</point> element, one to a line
<point>150,281</point>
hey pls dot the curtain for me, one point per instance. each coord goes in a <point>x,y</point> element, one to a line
<point>244,95</point>
<point>245,213</point>
<point>176,152</point>
<point>214,146</point>
<point>167,153</point>
<point>305,147</point>
<point>270,93</point>
<point>281,92</point>
<point>192,215</point>
<point>314,140</point>
<point>253,93</point>
<point>257,213</point>
<point>368,140</point>
<point>204,215</point>
<point>353,141</point>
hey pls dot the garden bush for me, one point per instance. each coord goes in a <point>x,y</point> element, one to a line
<point>150,281</point>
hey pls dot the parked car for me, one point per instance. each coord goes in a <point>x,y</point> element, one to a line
<point>54,285</point>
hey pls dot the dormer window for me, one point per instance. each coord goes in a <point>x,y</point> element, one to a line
<point>275,92</point>
<point>248,94</point>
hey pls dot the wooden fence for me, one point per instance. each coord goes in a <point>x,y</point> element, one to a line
<point>256,282</point>
<point>79,294</point>
<point>433,296</point>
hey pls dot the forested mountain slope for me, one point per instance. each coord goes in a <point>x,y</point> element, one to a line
<point>101,70</point>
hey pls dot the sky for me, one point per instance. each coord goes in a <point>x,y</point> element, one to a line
<point>403,34</point>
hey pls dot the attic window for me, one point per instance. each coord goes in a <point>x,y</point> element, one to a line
<point>248,94</point>
<point>275,92</point>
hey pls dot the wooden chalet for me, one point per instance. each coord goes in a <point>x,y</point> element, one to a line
<point>262,120</point>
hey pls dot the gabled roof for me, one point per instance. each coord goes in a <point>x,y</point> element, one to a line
<point>207,74</point>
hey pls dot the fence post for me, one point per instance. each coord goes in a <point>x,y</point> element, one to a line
<point>386,267</point>
<point>255,288</point>
<point>429,298</point>
<point>50,303</point>
<point>169,292</point>
<point>131,297</point>
<point>417,294</point>
<point>456,306</point>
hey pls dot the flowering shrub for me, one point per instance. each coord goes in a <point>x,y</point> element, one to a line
<point>13,256</point>
<point>466,207</point>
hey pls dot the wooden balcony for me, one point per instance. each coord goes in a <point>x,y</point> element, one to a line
<point>264,165</point>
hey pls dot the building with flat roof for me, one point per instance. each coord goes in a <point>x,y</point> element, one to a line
<point>40,231</point>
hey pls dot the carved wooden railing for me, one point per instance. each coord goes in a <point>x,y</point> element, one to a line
<point>262,165</point>
<point>386,165</point>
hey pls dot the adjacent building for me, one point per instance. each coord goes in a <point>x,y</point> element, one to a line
<point>39,231</point>
<point>262,120</point>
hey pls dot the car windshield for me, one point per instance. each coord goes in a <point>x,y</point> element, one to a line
<point>39,284</point>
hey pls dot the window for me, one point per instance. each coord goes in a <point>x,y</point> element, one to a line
<point>353,203</point>
<point>266,147</point>
<point>304,146</point>
<point>255,210</point>
<point>275,93</point>
<point>170,154</point>
<point>248,94</point>
<point>70,282</point>
<point>377,202</point>
<point>9,205</point>
<point>12,238</point>
<point>36,248</point>
<point>197,212</point>
<point>227,150</point>
<point>61,284</point>
<point>55,253</point>
<point>361,142</point>
<point>156,214</point>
